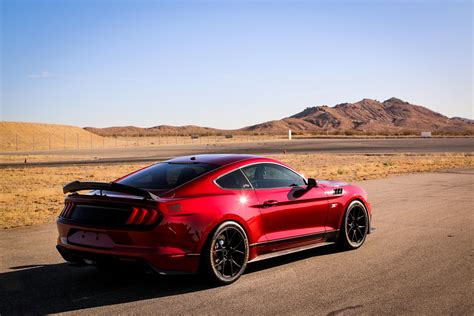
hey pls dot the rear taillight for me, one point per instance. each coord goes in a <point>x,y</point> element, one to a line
<point>67,211</point>
<point>142,216</point>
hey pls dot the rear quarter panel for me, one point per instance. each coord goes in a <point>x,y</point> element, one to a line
<point>201,206</point>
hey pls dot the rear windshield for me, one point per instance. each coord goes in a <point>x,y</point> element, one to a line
<point>166,175</point>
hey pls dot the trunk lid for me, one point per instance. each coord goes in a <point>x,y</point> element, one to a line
<point>110,206</point>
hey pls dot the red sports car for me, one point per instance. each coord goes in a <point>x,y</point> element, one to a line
<point>211,213</point>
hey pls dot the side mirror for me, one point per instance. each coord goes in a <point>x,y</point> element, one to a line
<point>312,183</point>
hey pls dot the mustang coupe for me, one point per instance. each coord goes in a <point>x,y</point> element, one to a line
<point>208,213</point>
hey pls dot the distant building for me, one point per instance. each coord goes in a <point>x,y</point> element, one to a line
<point>289,134</point>
<point>425,134</point>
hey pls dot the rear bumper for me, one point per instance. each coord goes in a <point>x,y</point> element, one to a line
<point>134,246</point>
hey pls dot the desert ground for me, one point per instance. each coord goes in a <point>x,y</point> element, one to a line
<point>34,195</point>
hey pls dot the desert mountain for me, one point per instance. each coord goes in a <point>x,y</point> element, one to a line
<point>392,116</point>
<point>161,130</point>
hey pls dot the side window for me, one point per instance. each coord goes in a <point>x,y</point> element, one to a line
<point>234,180</point>
<point>266,176</point>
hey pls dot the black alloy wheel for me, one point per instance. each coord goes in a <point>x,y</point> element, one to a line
<point>354,226</point>
<point>227,253</point>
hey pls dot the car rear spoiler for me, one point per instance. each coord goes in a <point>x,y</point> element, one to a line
<point>108,186</point>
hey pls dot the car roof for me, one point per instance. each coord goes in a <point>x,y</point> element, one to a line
<point>216,159</point>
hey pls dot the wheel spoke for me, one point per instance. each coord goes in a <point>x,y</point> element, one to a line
<point>238,244</point>
<point>223,267</point>
<point>231,269</point>
<point>226,236</point>
<point>231,238</point>
<point>238,251</point>
<point>238,265</point>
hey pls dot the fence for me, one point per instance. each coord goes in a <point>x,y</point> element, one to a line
<point>13,143</point>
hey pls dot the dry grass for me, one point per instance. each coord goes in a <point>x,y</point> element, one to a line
<point>23,136</point>
<point>364,167</point>
<point>34,195</point>
<point>37,136</point>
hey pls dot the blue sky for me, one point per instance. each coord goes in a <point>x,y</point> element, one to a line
<point>228,64</point>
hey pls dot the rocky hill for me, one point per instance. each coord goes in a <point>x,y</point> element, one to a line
<point>392,116</point>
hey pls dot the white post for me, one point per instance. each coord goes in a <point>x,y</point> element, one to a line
<point>289,134</point>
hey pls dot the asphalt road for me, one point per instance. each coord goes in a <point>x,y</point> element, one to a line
<point>156,153</point>
<point>419,261</point>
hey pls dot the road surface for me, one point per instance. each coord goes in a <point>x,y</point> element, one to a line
<point>156,153</point>
<point>419,261</point>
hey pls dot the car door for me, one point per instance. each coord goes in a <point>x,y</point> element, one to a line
<point>291,213</point>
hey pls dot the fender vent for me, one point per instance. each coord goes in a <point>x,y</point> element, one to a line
<point>338,191</point>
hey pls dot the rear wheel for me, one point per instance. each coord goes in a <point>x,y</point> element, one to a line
<point>226,254</point>
<point>354,227</point>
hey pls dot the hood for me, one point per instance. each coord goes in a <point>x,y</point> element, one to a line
<point>329,183</point>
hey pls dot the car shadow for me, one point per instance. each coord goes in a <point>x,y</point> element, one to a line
<point>63,287</point>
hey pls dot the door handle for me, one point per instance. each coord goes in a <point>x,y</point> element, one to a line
<point>269,203</point>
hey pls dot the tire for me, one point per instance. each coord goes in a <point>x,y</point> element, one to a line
<point>226,254</point>
<point>354,226</point>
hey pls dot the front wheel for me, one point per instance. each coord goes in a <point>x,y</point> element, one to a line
<point>354,226</point>
<point>226,254</point>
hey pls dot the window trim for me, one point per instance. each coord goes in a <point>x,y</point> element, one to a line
<point>224,174</point>
<point>251,186</point>
<point>165,191</point>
